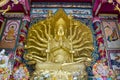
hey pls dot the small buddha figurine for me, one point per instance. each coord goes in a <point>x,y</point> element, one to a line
<point>10,35</point>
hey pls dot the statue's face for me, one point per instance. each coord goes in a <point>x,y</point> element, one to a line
<point>60,30</point>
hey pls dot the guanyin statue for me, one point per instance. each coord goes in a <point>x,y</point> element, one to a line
<point>59,45</point>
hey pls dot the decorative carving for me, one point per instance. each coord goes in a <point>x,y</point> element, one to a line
<point>3,2</point>
<point>117,8</point>
<point>59,44</point>
<point>6,10</point>
<point>15,1</point>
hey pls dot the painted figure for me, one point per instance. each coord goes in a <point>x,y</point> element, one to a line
<point>10,35</point>
<point>113,36</point>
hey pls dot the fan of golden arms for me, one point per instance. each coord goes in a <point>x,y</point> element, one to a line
<point>59,44</point>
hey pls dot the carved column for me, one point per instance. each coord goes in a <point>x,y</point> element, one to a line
<point>21,42</point>
<point>99,37</point>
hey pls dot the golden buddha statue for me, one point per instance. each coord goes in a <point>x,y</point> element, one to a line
<point>60,45</point>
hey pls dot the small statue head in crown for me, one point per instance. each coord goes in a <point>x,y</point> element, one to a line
<point>60,29</point>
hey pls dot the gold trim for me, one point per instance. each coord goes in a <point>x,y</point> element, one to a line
<point>10,14</point>
<point>113,15</point>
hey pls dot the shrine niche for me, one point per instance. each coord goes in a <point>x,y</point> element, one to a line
<point>9,36</point>
<point>60,47</point>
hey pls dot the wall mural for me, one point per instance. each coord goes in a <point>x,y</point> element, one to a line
<point>79,13</point>
<point>112,38</point>
<point>114,60</point>
<point>9,35</point>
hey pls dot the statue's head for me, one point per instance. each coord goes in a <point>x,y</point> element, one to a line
<point>60,26</point>
<point>60,31</point>
<point>12,27</point>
